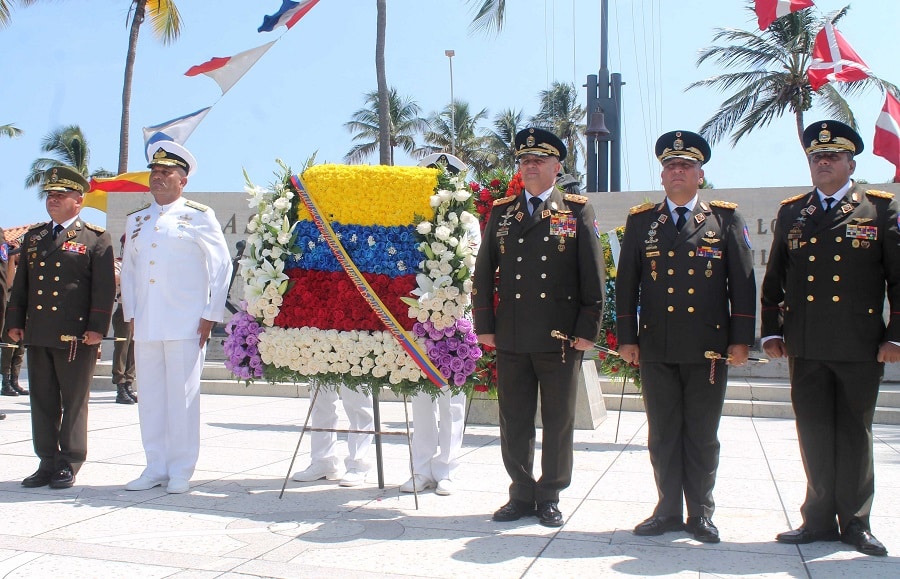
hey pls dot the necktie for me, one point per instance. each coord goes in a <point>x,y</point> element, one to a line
<point>56,229</point>
<point>535,202</point>
<point>828,203</point>
<point>682,217</point>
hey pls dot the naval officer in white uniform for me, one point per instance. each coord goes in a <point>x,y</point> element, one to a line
<point>175,275</point>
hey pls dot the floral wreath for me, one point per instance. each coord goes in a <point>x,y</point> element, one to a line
<point>303,319</point>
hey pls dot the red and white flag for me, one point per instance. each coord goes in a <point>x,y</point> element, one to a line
<point>768,11</point>
<point>227,70</point>
<point>834,60</point>
<point>887,134</point>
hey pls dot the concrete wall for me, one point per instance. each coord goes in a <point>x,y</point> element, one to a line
<point>758,206</point>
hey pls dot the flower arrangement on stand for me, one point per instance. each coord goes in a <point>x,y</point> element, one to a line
<point>313,324</point>
<point>612,365</point>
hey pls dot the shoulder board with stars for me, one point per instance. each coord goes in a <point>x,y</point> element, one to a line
<point>93,227</point>
<point>641,208</point>
<point>141,208</point>
<point>879,194</point>
<point>504,200</point>
<point>195,205</point>
<point>576,198</point>
<point>794,198</point>
<point>723,204</point>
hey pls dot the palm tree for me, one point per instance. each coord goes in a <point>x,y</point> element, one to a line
<point>470,146</point>
<point>561,114</point>
<point>66,146</point>
<point>774,79</point>
<point>385,141</point>
<point>10,131</point>
<point>5,12</point>
<point>502,140</point>
<point>166,25</point>
<point>489,15</point>
<point>405,124</point>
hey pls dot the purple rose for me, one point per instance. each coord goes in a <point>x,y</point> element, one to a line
<point>435,334</point>
<point>471,338</point>
<point>463,325</point>
<point>476,353</point>
<point>449,331</point>
<point>469,367</point>
<point>459,379</point>
<point>252,340</point>
<point>452,343</point>
<point>457,365</point>
<point>433,352</point>
<point>445,371</point>
<point>419,330</point>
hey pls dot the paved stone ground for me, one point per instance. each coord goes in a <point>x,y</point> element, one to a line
<point>232,523</point>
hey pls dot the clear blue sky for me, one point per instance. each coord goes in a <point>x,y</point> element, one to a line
<point>63,64</point>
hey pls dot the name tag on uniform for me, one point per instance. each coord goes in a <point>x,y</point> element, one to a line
<point>74,247</point>
<point>712,252</point>
<point>869,232</point>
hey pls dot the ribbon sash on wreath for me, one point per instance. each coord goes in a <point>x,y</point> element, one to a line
<point>396,330</point>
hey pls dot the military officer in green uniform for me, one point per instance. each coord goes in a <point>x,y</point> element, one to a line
<point>834,251</point>
<point>544,248</point>
<point>685,286</point>
<point>60,307</point>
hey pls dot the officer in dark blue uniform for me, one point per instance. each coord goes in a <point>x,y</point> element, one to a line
<point>545,249</point>
<point>686,266</point>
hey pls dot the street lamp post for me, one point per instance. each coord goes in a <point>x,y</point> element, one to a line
<point>450,54</point>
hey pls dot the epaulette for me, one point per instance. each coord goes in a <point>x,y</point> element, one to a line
<point>723,204</point>
<point>141,208</point>
<point>879,194</point>
<point>195,205</point>
<point>37,226</point>
<point>93,227</point>
<point>641,208</point>
<point>794,198</point>
<point>504,200</point>
<point>576,198</point>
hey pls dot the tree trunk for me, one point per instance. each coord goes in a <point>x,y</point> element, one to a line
<point>798,117</point>
<point>136,21</point>
<point>384,115</point>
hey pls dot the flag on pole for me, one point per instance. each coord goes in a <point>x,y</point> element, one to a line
<point>177,130</point>
<point>227,70</point>
<point>887,134</point>
<point>288,14</point>
<point>768,11</point>
<point>96,197</point>
<point>834,60</point>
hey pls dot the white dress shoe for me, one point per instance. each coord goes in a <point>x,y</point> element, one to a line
<point>445,487</point>
<point>354,478</point>
<point>417,483</point>
<point>144,483</point>
<point>177,486</point>
<point>318,471</point>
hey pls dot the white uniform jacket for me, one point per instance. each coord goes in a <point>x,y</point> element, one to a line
<point>175,270</point>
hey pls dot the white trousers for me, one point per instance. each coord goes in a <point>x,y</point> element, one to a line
<point>169,372</point>
<point>358,407</point>
<point>435,450</point>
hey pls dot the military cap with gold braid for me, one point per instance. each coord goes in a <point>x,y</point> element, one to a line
<point>534,141</point>
<point>64,179</point>
<point>682,145</point>
<point>831,137</point>
<point>170,153</point>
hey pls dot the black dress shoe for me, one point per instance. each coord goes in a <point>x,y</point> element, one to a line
<point>703,529</point>
<point>864,541</point>
<point>63,478</point>
<point>40,478</point>
<point>803,536</point>
<point>7,390</point>
<point>549,514</point>
<point>513,511</point>
<point>655,526</point>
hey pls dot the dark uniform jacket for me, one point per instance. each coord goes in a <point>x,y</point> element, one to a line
<point>550,274</point>
<point>63,287</point>
<point>4,262</point>
<point>680,294</point>
<point>825,280</point>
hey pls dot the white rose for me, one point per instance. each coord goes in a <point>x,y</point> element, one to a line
<point>442,232</point>
<point>424,228</point>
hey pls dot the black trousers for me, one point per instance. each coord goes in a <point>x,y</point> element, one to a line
<point>834,403</point>
<point>60,390</point>
<point>521,379</point>
<point>683,414</point>
<point>123,352</point>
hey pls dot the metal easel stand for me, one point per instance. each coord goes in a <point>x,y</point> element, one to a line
<point>377,433</point>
